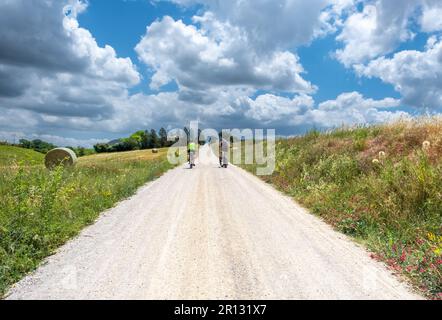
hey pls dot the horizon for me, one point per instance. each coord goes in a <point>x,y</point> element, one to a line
<point>79,73</point>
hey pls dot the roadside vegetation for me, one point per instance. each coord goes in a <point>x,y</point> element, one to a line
<point>380,184</point>
<point>11,154</point>
<point>41,210</point>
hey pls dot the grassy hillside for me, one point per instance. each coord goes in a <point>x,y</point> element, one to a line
<point>41,210</point>
<point>381,184</point>
<point>10,155</point>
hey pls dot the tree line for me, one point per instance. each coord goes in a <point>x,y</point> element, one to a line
<point>44,147</point>
<point>36,145</point>
<point>140,140</point>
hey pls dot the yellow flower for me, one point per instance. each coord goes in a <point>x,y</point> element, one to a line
<point>376,161</point>
<point>431,236</point>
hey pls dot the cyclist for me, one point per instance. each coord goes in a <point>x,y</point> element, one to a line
<point>191,152</point>
<point>223,152</point>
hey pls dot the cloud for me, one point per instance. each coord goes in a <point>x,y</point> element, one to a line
<point>53,74</point>
<point>269,108</point>
<point>52,66</point>
<point>382,26</point>
<point>50,48</point>
<point>268,24</point>
<point>374,31</point>
<point>235,65</point>
<point>417,75</point>
<point>352,108</point>
<point>216,56</point>
<point>431,16</point>
<point>301,111</point>
<point>15,136</point>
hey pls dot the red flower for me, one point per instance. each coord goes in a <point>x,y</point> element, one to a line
<point>403,256</point>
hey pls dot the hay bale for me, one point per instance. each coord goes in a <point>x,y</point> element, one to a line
<point>60,156</point>
<point>155,150</point>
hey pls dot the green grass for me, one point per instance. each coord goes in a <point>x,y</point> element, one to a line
<point>10,155</point>
<point>392,203</point>
<point>43,209</point>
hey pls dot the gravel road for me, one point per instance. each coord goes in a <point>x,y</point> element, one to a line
<point>210,233</point>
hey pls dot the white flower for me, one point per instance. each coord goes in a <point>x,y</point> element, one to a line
<point>426,145</point>
<point>382,155</point>
<point>376,161</point>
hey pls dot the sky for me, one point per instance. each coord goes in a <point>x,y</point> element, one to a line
<point>81,72</point>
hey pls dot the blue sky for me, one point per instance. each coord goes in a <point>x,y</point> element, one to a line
<point>79,72</point>
<point>121,24</point>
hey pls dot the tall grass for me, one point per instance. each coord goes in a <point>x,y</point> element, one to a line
<point>381,185</point>
<point>11,154</point>
<point>40,210</point>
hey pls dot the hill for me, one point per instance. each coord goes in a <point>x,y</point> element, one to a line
<point>10,155</point>
<point>380,184</point>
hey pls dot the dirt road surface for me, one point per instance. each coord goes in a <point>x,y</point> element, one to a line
<point>210,233</point>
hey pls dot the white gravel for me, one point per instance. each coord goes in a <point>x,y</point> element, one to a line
<point>210,233</point>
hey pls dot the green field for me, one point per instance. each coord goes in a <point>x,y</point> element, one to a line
<point>10,155</point>
<point>381,185</point>
<point>43,209</point>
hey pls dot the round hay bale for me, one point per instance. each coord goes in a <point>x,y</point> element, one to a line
<point>60,156</point>
<point>155,150</point>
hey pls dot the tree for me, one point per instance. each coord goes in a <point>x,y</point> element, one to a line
<point>154,141</point>
<point>42,146</point>
<point>139,137</point>
<point>25,144</point>
<point>81,152</point>
<point>127,144</point>
<point>101,147</point>
<point>145,140</point>
<point>163,138</point>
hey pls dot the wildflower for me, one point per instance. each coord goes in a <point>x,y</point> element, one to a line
<point>403,256</point>
<point>382,155</point>
<point>431,236</point>
<point>426,145</point>
<point>376,161</point>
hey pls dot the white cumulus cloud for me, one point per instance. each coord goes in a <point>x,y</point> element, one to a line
<point>216,55</point>
<point>417,75</point>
